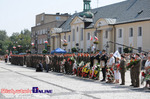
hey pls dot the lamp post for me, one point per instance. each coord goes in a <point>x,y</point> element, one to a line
<point>14,49</point>
<point>46,42</point>
<point>19,48</point>
<point>107,46</point>
<point>32,45</point>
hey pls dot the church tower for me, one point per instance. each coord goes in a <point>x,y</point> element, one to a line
<point>86,10</point>
<point>87,6</point>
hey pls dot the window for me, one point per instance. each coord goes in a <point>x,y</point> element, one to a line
<point>131,32</point>
<point>106,34</point>
<point>95,33</point>
<point>42,18</point>
<point>120,33</point>
<point>77,29</point>
<point>68,50</point>
<point>81,50</point>
<point>73,38</point>
<point>57,18</point>
<point>88,37</point>
<point>88,49</point>
<point>120,50</point>
<point>139,49</point>
<point>69,38</point>
<point>64,37</point>
<point>81,34</point>
<point>140,31</point>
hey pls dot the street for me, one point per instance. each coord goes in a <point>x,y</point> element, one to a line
<point>62,86</point>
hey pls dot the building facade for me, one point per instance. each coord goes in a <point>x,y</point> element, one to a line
<point>41,30</point>
<point>117,26</point>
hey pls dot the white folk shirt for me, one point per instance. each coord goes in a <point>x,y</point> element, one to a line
<point>111,61</point>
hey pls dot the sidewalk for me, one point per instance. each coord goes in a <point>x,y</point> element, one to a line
<point>63,86</point>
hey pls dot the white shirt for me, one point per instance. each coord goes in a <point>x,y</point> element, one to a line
<point>147,63</point>
<point>111,61</point>
<point>93,48</point>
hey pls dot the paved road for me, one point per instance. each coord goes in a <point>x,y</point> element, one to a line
<point>62,86</point>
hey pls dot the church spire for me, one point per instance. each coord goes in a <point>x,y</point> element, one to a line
<point>87,6</point>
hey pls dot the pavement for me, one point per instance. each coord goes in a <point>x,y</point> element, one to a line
<point>62,86</point>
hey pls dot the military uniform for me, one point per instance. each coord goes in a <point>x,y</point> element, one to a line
<point>136,74</point>
<point>123,70</point>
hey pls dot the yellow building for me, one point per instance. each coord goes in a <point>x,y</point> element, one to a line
<point>117,26</point>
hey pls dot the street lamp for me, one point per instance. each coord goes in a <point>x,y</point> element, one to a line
<point>46,42</point>
<point>107,46</point>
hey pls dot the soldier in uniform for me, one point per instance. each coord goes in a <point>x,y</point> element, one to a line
<point>122,69</point>
<point>137,70</point>
<point>132,73</point>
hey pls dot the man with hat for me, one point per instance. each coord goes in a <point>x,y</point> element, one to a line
<point>122,69</point>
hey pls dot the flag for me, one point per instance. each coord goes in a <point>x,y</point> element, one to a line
<point>91,38</point>
<point>117,54</point>
<point>65,40</point>
<point>96,38</point>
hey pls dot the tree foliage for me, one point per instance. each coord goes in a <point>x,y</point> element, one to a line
<point>23,39</point>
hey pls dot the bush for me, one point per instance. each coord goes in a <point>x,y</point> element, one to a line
<point>65,44</point>
<point>44,51</point>
<point>74,50</point>
<point>48,45</point>
<point>96,42</point>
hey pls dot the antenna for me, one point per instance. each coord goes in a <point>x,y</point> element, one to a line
<point>97,3</point>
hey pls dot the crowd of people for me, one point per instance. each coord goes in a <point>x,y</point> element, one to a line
<point>113,67</point>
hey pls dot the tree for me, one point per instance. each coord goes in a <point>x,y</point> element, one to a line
<point>4,41</point>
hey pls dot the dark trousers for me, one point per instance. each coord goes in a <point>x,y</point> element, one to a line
<point>136,80</point>
<point>123,77</point>
<point>104,73</point>
<point>132,76</point>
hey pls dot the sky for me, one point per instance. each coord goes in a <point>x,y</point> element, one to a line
<point>17,15</point>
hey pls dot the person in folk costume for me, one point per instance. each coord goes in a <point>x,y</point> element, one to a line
<point>147,69</point>
<point>110,65</point>
<point>122,69</point>
<point>116,70</point>
<point>137,70</point>
<point>103,64</point>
